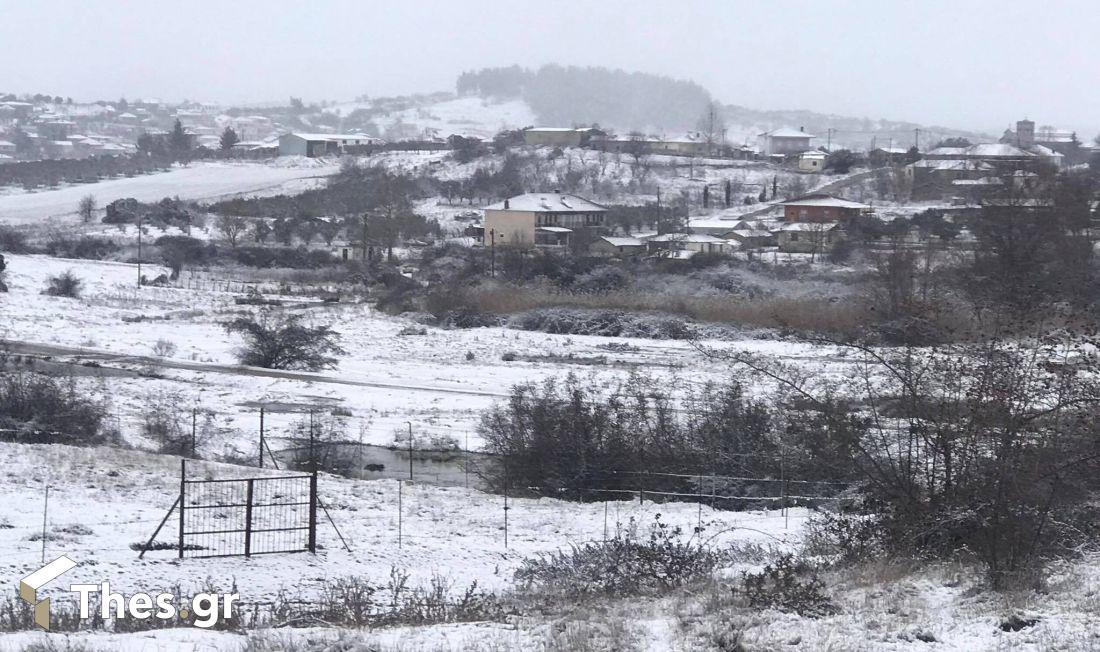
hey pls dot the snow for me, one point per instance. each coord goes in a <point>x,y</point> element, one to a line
<point>197,181</point>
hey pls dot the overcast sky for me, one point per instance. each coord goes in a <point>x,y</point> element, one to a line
<point>962,63</point>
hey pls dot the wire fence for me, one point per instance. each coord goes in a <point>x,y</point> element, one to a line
<point>247,516</point>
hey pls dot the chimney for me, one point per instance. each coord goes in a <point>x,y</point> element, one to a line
<point>505,204</point>
<point>802,129</point>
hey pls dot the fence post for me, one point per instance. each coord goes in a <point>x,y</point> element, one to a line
<point>45,511</point>
<point>194,424</point>
<point>183,484</point>
<point>400,491</point>
<point>261,436</point>
<point>410,450</point>
<point>248,517</point>
<point>313,512</point>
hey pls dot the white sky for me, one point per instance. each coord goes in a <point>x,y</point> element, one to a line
<point>979,64</point>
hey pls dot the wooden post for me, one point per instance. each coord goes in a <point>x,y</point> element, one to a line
<point>45,510</point>
<point>313,512</point>
<point>164,520</point>
<point>410,450</point>
<point>194,424</point>
<point>400,490</point>
<point>183,484</point>
<point>248,517</point>
<point>261,436</point>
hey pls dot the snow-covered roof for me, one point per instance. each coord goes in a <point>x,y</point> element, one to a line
<point>547,202</point>
<point>952,164</point>
<point>824,200</point>
<point>996,150</point>
<point>687,237</point>
<point>813,154</point>
<point>815,227</point>
<point>947,151</point>
<point>1043,150</point>
<point>560,129</point>
<point>622,241</point>
<point>4,143</point>
<point>554,229</point>
<point>329,137</point>
<point>787,132</point>
<point>984,181</point>
<point>900,150</point>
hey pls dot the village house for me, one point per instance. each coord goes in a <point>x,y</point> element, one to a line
<point>784,141</point>
<point>821,207</point>
<point>617,247</point>
<point>314,145</point>
<point>686,245</point>
<point>809,237</point>
<point>546,218</point>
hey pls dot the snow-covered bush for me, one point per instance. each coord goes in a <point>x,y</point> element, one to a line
<point>624,565</point>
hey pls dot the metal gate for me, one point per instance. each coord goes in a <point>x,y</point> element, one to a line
<point>247,516</point>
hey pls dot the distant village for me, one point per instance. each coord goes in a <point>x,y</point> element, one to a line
<point>957,173</point>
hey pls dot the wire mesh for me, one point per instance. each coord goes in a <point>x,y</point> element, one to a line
<point>246,516</point>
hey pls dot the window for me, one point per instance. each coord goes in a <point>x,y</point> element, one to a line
<point>794,237</point>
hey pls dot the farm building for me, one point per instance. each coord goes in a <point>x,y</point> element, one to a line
<point>821,208</point>
<point>314,145</point>
<point>541,219</point>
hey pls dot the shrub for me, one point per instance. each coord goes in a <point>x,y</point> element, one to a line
<point>788,584</point>
<point>13,241</point>
<point>164,349</point>
<point>39,409</point>
<point>64,285</point>
<point>86,247</point>
<point>624,565</point>
<point>564,436</point>
<point>283,342</point>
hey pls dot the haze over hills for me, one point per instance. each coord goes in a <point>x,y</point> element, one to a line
<point>627,101</point>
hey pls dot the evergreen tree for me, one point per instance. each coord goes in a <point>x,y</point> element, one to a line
<point>229,139</point>
<point>179,140</point>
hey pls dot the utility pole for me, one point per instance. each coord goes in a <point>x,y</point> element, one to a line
<point>139,249</point>
<point>916,138</point>
<point>492,252</point>
<point>410,450</point>
<point>829,146</point>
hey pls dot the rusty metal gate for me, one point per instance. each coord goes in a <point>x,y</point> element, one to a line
<point>247,516</point>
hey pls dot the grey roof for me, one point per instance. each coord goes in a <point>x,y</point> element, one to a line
<point>623,241</point>
<point>548,202</point>
<point>787,132</point>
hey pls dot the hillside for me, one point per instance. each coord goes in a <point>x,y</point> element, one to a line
<point>626,101</point>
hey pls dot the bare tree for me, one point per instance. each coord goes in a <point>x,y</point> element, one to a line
<point>232,226</point>
<point>86,209</point>
<point>712,127</point>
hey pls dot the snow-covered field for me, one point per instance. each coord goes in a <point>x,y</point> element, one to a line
<point>387,378</point>
<point>198,181</point>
